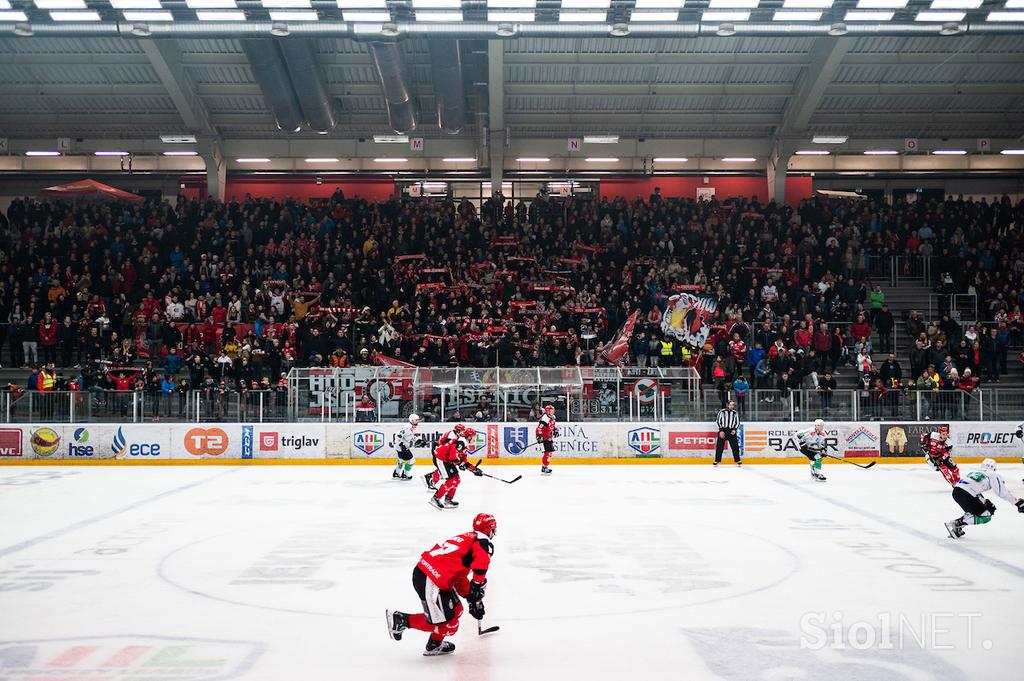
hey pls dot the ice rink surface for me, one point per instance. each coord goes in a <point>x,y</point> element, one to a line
<point>282,573</point>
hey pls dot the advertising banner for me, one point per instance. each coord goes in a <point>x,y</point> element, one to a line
<point>690,439</point>
<point>377,441</point>
<point>778,440</point>
<point>904,439</point>
<point>985,439</point>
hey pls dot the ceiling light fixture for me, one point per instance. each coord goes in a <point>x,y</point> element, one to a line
<point>813,152</point>
<point>600,139</point>
<point>602,159</point>
<point>532,159</point>
<point>181,153</point>
<point>881,152</point>
<point>390,160</point>
<point>738,159</point>
<point>252,160</point>
<point>671,159</point>
<point>42,153</point>
<point>459,159</point>
<point>950,152</point>
<point>111,153</point>
<point>830,139</point>
<point>321,160</point>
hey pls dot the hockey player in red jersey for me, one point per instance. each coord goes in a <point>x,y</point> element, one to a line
<point>547,431</point>
<point>455,567</point>
<point>450,458</point>
<point>433,476</point>
<point>937,448</point>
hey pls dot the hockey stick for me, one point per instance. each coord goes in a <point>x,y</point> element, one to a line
<point>481,631</point>
<point>858,465</point>
<point>494,477</point>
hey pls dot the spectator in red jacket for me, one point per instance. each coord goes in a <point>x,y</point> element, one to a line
<point>48,338</point>
<point>860,331</point>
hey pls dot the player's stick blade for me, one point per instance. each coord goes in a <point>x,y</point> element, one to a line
<point>489,630</point>
<point>515,479</point>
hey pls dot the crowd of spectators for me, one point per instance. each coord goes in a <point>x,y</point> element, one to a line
<point>235,294</point>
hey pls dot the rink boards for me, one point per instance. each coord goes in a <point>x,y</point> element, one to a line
<point>594,442</point>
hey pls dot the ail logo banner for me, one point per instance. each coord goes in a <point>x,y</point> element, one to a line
<point>644,441</point>
<point>368,441</point>
<point>206,441</point>
<point>10,441</point>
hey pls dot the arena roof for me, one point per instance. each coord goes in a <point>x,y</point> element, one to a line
<point>750,84</point>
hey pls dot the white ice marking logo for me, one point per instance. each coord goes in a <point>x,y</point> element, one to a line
<point>121,658</point>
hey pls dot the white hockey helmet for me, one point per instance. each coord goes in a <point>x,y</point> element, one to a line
<point>988,465</point>
<point>414,419</point>
<point>819,422</point>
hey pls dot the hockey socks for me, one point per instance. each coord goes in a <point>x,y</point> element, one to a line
<point>545,460</point>
<point>971,519</point>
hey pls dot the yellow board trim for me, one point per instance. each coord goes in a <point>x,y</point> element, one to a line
<point>585,461</point>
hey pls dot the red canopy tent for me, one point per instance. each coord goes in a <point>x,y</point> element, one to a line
<point>89,189</point>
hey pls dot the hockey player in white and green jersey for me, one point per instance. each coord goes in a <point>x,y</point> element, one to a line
<point>404,442</point>
<point>812,445</point>
<point>969,494</point>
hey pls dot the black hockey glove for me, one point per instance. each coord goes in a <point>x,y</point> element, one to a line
<point>1020,505</point>
<point>477,472</point>
<point>421,442</point>
<point>476,609</point>
<point>990,506</point>
<point>476,591</point>
<point>554,433</point>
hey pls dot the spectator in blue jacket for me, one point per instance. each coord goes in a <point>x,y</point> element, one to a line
<point>754,357</point>
<point>172,362</point>
<point>740,390</point>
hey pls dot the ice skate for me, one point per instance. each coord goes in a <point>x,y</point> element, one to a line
<point>436,503</point>
<point>397,623</point>
<point>428,483</point>
<point>395,475</point>
<point>450,503</point>
<point>544,470</point>
<point>405,477</point>
<point>438,648</point>
<point>955,528</point>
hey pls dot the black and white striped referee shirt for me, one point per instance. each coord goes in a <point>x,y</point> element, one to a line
<point>728,420</point>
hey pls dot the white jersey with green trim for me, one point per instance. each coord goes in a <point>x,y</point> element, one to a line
<point>809,438</point>
<point>979,482</point>
<point>406,437</point>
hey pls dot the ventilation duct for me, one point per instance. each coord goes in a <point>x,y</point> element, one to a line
<point>446,69</point>
<point>388,60</point>
<point>308,83</point>
<point>272,76</point>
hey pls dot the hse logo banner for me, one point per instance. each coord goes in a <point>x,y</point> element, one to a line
<point>368,441</point>
<point>124,447</point>
<point>10,441</point>
<point>44,441</point>
<point>515,438</point>
<point>644,441</point>
<point>123,658</point>
<point>79,446</point>
<point>206,441</point>
<point>692,441</point>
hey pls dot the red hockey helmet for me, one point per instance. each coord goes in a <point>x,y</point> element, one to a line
<point>468,433</point>
<point>943,430</point>
<point>485,522</point>
<point>549,408</point>
<point>459,428</point>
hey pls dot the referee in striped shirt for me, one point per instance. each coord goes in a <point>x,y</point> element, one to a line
<point>728,424</point>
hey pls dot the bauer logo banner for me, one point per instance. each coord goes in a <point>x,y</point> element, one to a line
<point>778,440</point>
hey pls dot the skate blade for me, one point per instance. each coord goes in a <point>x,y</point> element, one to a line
<point>388,619</point>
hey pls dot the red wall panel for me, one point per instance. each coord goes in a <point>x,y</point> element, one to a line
<point>686,187</point>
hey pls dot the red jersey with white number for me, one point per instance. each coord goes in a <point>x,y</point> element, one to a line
<point>453,450</point>
<point>450,562</point>
<point>935,448</point>
<point>449,436</point>
<point>546,427</point>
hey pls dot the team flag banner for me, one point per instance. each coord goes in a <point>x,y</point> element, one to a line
<point>687,318</point>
